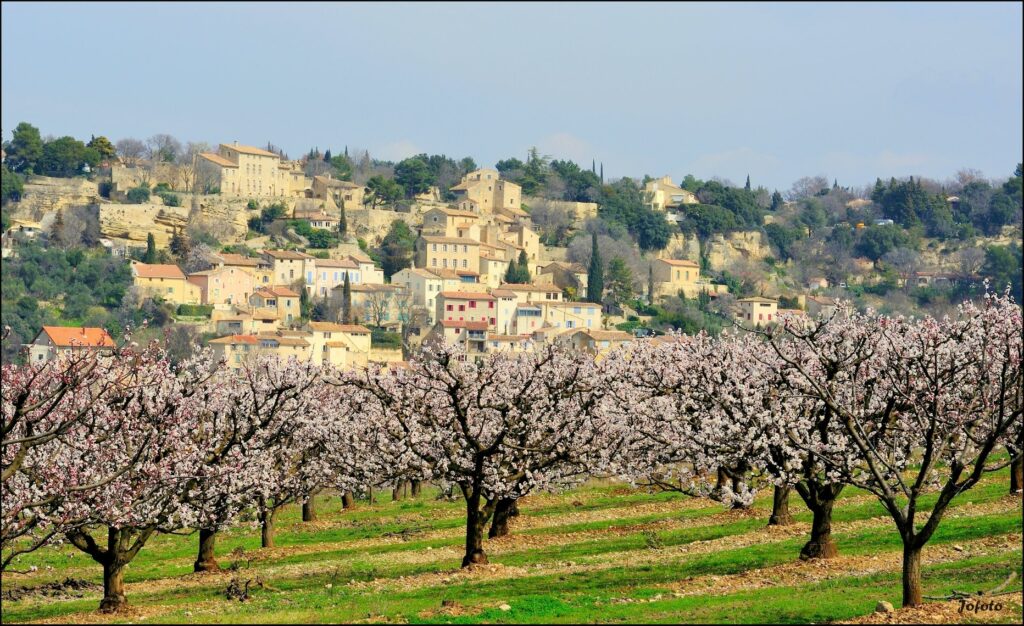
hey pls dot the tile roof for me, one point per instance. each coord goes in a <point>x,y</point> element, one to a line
<point>233,339</point>
<point>466,295</point>
<point>287,254</point>
<point>346,263</point>
<point>72,336</point>
<point>237,259</point>
<point>218,159</point>
<point>463,324</point>
<point>442,239</point>
<point>250,150</point>
<point>680,262</point>
<point>331,327</point>
<point>526,287</point>
<point>276,291</point>
<point>144,270</point>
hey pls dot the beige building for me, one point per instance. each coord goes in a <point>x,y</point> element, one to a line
<point>247,171</point>
<point>338,193</point>
<point>224,285</point>
<point>455,253</point>
<point>55,340</point>
<point>372,303</point>
<point>821,306</point>
<point>288,266</point>
<point>280,299</point>
<point>757,311</point>
<point>341,345</point>
<point>460,306</point>
<point>447,222</point>
<point>533,293</point>
<point>261,269</point>
<point>674,275</point>
<point>166,281</point>
<point>329,273</point>
<point>245,321</point>
<point>596,342</point>
<point>485,188</point>
<point>662,194</point>
<point>565,276</point>
<point>236,350</point>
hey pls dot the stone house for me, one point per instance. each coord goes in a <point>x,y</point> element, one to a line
<point>247,171</point>
<point>757,311</point>
<point>55,340</point>
<point>166,281</point>
<point>280,299</point>
<point>662,194</point>
<point>485,188</point>
<point>456,253</point>
<point>224,285</point>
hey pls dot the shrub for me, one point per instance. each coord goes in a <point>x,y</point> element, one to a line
<point>161,188</point>
<point>139,194</point>
<point>252,205</point>
<point>105,188</point>
<point>195,310</point>
<point>380,338</point>
<point>170,199</point>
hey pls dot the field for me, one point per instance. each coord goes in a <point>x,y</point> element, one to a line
<point>601,553</point>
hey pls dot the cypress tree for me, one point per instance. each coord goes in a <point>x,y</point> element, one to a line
<point>343,223</point>
<point>595,273</point>
<point>180,245</point>
<point>747,186</point>
<point>512,273</point>
<point>346,302</point>
<point>593,166</point>
<point>327,156</point>
<point>150,256</point>
<point>524,268</point>
<point>650,285</point>
<point>58,229</point>
<point>602,172</point>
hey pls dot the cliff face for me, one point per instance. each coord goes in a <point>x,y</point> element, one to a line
<point>722,251</point>
<point>43,195</point>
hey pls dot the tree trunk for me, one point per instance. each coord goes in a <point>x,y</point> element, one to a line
<point>505,509</point>
<point>1017,475</point>
<point>396,492</point>
<point>267,531</point>
<point>912,576</point>
<point>113,586</point>
<point>821,545</point>
<point>309,510</point>
<point>415,487</point>
<point>347,501</point>
<point>780,507</point>
<point>206,562</point>
<point>737,480</point>
<point>475,520</point>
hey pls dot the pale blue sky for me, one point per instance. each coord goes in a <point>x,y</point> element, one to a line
<point>777,91</point>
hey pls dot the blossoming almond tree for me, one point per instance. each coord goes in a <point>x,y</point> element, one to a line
<point>934,400</point>
<point>499,429</point>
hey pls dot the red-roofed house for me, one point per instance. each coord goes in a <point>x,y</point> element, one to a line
<point>460,306</point>
<point>280,298</point>
<point>54,340</point>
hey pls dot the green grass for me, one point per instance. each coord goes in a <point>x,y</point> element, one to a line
<point>614,563</point>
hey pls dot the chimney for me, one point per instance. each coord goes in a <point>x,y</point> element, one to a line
<point>235,143</point>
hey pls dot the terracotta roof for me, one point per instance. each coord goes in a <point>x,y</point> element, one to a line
<point>334,182</point>
<point>441,239</point>
<point>465,295</point>
<point>423,273</point>
<point>608,335</point>
<point>249,150</point>
<point>363,288</point>
<point>566,304</point>
<point>218,159</point>
<point>319,216</point>
<point>72,336</point>
<point>233,339</point>
<point>143,270</point>
<point>237,259</point>
<point>287,254</point>
<point>525,287</point>
<point>455,212</point>
<point>575,268</point>
<point>331,327</point>
<point>503,293</point>
<point>360,257</point>
<point>680,262</point>
<point>276,291</point>
<point>791,312</point>
<point>463,324</point>
<point>757,299</point>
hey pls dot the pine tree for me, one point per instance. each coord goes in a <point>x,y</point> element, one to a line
<point>524,268</point>
<point>346,302</point>
<point>150,256</point>
<point>595,273</point>
<point>58,229</point>
<point>747,186</point>
<point>512,273</point>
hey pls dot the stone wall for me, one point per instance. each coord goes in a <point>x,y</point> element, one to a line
<point>373,224</point>
<point>44,194</point>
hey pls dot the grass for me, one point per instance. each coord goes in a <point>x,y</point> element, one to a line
<point>600,553</point>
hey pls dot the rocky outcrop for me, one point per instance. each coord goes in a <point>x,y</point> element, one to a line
<point>43,194</point>
<point>725,250</point>
<point>133,222</point>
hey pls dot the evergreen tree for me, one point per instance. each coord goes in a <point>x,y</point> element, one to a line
<point>593,166</point>
<point>342,222</point>
<point>595,273</point>
<point>650,285</point>
<point>747,186</point>
<point>58,229</point>
<point>180,245</point>
<point>305,306</point>
<point>327,156</point>
<point>620,281</point>
<point>524,268</point>
<point>150,256</point>
<point>777,201</point>
<point>346,151</point>
<point>602,172</point>
<point>346,302</point>
<point>512,273</point>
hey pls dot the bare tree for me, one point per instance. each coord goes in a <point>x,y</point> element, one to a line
<point>967,176</point>
<point>378,303</point>
<point>971,260</point>
<point>163,147</point>
<point>207,177</point>
<point>906,261</point>
<point>317,167</point>
<point>807,187</point>
<point>188,162</point>
<point>130,150</point>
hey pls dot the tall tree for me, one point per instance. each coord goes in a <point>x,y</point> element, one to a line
<point>512,273</point>
<point>102,146</point>
<point>524,268</point>
<point>25,148</point>
<point>150,256</point>
<point>747,186</point>
<point>620,281</point>
<point>180,245</point>
<point>650,285</point>
<point>595,273</point>
<point>346,301</point>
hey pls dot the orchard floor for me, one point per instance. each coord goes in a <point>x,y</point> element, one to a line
<point>601,553</point>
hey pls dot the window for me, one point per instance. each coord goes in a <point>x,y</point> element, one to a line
<point>433,247</point>
<point>769,317</point>
<point>570,324</point>
<point>472,304</point>
<point>462,307</point>
<point>490,305</point>
<point>449,308</point>
<point>465,248</point>
<point>433,262</point>
<point>444,247</point>
<point>760,316</point>
<point>577,309</point>
<point>444,262</point>
<point>464,264</point>
<point>677,274</point>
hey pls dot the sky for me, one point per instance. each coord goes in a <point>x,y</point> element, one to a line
<point>777,91</point>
